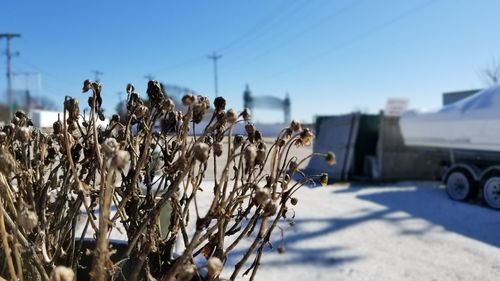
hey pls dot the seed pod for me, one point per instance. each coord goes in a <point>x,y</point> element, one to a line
<point>200,151</point>
<point>250,129</point>
<point>219,104</point>
<point>214,266</point>
<point>154,92</point>
<point>231,116</point>
<point>306,136</point>
<point>7,163</point>
<point>330,158</point>
<point>294,201</point>
<point>23,134</point>
<point>261,196</point>
<point>199,110</point>
<point>261,154</point>
<point>238,140</point>
<point>57,127</point>
<point>188,99</point>
<point>62,273</point>
<point>250,155</point>
<point>217,149</point>
<point>295,126</point>
<point>168,105</point>
<point>130,88</point>
<point>87,85</point>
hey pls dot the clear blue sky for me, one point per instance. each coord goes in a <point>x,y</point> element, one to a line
<point>331,56</point>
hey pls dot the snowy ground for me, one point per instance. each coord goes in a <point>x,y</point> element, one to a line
<point>407,231</point>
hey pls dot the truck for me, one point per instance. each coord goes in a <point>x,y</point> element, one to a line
<point>465,137</point>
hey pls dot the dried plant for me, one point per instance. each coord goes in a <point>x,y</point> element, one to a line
<point>49,179</point>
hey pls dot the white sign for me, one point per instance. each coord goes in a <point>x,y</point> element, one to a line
<point>395,106</point>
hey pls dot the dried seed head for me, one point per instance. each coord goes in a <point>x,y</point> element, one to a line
<point>199,109</point>
<point>231,116</point>
<point>130,88</point>
<point>200,151</point>
<point>188,99</point>
<point>238,140</point>
<point>7,162</point>
<point>250,129</point>
<point>219,103</point>
<point>246,114</point>
<point>168,105</point>
<point>214,266</point>
<point>71,105</point>
<point>306,136</point>
<point>28,220</point>
<point>261,196</point>
<point>295,126</point>
<point>23,134</point>
<point>330,158</point>
<point>323,179</point>
<point>154,92</point>
<point>294,201</point>
<point>250,155</point>
<point>3,138</point>
<point>15,120</point>
<point>57,127</point>
<point>110,146</point>
<point>120,159</point>
<point>141,111</point>
<point>62,273</point>
<point>261,154</point>
<point>217,149</point>
<point>20,114</point>
<point>87,85</point>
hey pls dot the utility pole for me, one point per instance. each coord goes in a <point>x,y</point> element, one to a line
<point>97,74</point>
<point>8,37</point>
<point>149,77</point>
<point>215,57</point>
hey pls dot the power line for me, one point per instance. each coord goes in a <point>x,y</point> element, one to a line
<point>304,31</point>
<point>354,39</point>
<point>215,57</point>
<point>8,37</point>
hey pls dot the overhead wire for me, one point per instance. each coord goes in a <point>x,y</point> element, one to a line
<point>352,40</point>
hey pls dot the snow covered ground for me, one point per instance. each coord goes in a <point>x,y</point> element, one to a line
<point>405,231</point>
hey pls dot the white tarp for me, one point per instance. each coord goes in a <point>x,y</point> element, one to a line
<point>472,123</point>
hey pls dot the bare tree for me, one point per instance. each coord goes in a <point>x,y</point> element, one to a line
<point>491,73</point>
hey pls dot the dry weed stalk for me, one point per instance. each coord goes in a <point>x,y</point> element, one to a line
<point>48,179</point>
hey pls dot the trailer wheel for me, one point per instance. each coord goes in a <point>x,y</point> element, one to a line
<point>460,186</point>
<point>491,192</point>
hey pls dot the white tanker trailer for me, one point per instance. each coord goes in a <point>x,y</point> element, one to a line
<point>467,134</point>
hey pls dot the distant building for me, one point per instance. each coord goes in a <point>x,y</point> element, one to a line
<point>451,97</point>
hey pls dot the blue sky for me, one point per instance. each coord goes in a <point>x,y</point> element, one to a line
<point>331,56</point>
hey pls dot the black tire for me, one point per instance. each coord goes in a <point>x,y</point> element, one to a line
<point>491,191</point>
<point>460,185</point>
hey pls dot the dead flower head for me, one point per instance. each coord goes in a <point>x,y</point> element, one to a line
<point>295,125</point>
<point>330,158</point>
<point>306,136</point>
<point>28,220</point>
<point>200,151</point>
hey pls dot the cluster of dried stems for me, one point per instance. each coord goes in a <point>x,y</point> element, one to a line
<point>48,179</point>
